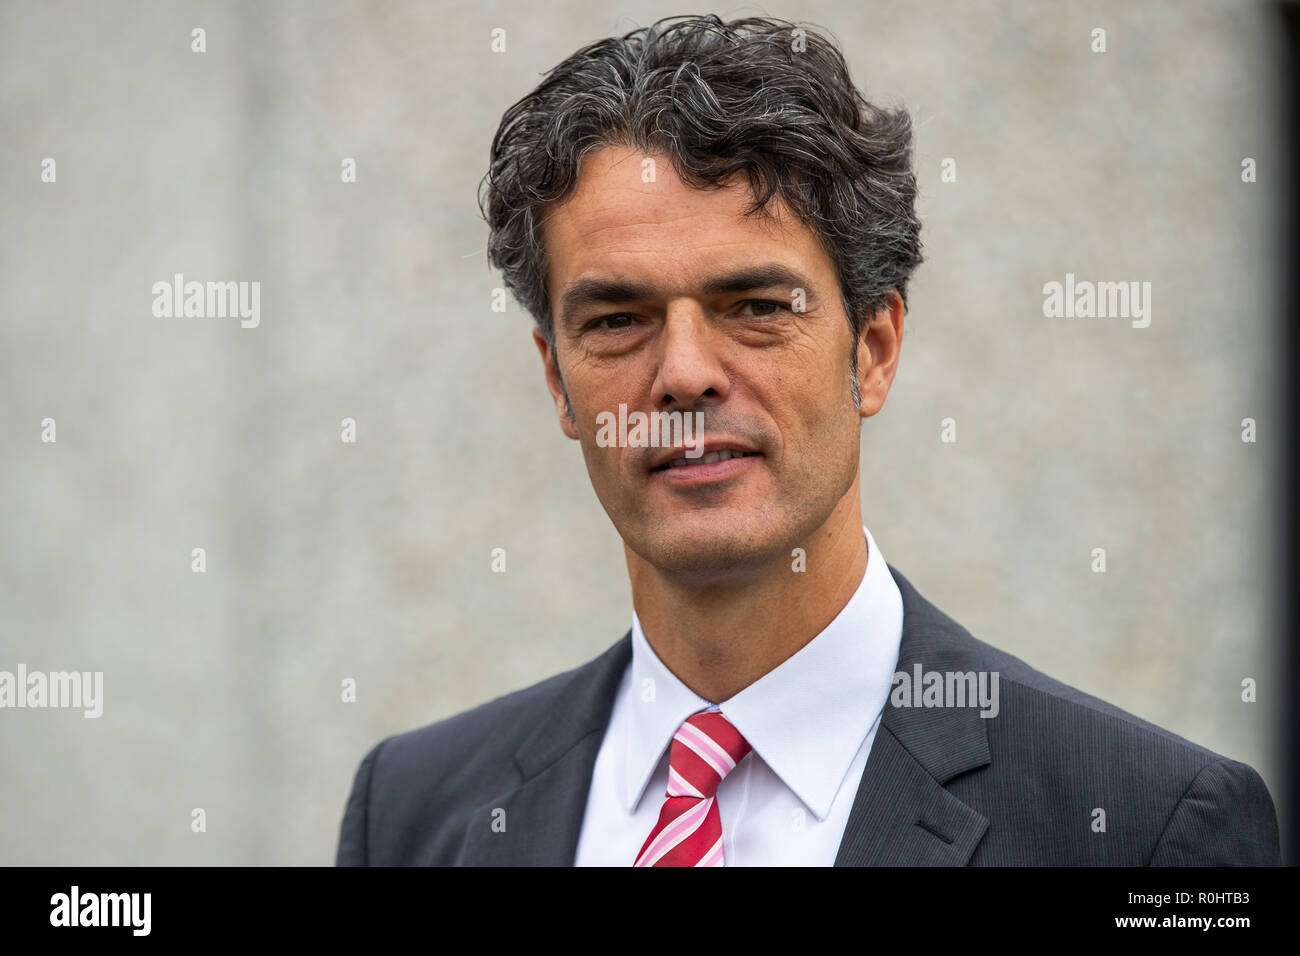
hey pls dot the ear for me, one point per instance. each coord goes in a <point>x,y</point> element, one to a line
<point>555,385</point>
<point>878,350</point>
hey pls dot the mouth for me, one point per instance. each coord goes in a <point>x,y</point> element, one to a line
<point>708,458</point>
<point>721,463</point>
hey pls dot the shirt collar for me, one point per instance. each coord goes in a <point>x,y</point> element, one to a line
<point>807,718</point>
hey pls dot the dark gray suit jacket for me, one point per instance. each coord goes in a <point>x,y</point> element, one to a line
<point>943,786</point>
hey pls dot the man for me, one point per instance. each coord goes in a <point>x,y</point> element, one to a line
<point>707,220</point>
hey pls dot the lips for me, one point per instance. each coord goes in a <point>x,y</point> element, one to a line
<point>713,452</point>
<point>707,459</point>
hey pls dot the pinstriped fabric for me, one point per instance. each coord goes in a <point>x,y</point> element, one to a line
<point>689,833</point>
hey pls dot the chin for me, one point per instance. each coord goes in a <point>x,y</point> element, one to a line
<point>708,549</point>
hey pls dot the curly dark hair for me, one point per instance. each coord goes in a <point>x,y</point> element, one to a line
<point>762,97</point>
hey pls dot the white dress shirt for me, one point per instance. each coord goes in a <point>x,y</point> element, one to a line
<point>811,722</point>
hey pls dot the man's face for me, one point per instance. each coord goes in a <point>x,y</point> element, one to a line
<point>667,298</point>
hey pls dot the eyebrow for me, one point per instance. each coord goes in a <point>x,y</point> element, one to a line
<point>587,292</point>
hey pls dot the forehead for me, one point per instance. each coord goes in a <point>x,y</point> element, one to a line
<point>637,221</point>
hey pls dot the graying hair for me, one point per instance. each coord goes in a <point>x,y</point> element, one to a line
<point>764,98</point>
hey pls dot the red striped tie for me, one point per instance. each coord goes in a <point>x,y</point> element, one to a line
<point>689,833</point>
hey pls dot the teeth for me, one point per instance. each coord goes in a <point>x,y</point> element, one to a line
<point>708,459</point>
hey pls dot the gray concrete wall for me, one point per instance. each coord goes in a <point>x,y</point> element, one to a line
<point>370,561</point>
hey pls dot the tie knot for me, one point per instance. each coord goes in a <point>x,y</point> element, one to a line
<point>704,750</point>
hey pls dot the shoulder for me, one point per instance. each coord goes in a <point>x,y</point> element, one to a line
<point>1082,713</point>
<point>1030,700</point>
<point>1089,782</point>
<point>488,733</point>
<point>413,790</point>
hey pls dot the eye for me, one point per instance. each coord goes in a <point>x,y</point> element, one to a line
<point>611,323</point>
<point>762,308</point>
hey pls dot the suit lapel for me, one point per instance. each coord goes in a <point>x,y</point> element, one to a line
<point>902,815</point>
<point>543,815</point>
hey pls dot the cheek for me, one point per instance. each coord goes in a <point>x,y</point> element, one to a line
<point>604,463</point>
<point>604,470</point>
<point>816,419</point>
<point>801,385</point>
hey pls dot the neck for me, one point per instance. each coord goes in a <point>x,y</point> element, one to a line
<point>720,638</point>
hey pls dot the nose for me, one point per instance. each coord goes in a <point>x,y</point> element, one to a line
<point>690,369</point>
